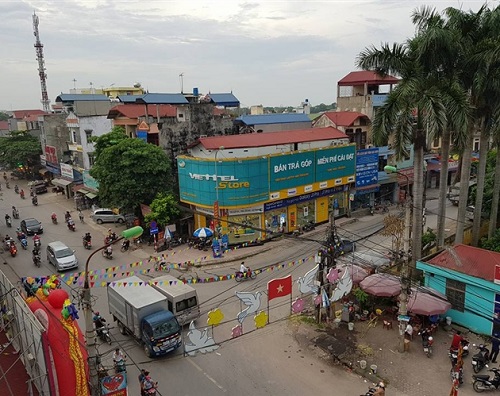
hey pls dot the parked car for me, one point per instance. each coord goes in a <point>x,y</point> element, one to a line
<point>31,226</point>
<point>61,256</point>
<point>104,215</point>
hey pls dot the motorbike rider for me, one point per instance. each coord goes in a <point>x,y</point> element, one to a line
<point>99,323</point>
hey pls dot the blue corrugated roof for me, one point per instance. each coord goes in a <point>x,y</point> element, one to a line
<point>224,99</point>
<point>282,118</point>
<point>82,98</point>
<point>162,98</point>
<point>129,98</point>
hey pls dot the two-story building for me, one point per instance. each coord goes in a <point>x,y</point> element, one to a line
<point>271,181</point>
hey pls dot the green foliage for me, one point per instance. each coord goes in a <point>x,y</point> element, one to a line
<point>19,148</point>
<point>131,172</point>
<point>163,209</point>
<point>116,135</point>
<point>493,243</point>
<point>428,237</point>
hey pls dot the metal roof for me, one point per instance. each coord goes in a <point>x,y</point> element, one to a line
<point>282,118</point>
<point>224,99</point>
<point>270,138</point>
<point>162,98</point>
<point>82,98</point>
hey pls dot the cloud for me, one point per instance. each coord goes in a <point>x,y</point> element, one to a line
<point>266,52</point>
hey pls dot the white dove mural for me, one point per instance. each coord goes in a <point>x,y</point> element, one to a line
<point>306,282</point>
<point>344,286</point>
<point>199,341</point>
<point>251,300</point>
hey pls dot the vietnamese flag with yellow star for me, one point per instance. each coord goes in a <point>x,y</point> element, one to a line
<point>280,287</point>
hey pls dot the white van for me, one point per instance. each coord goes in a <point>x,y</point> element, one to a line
<point>182,298</point>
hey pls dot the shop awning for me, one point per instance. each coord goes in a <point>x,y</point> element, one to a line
<point>61,182</point>
<point>91,195</point>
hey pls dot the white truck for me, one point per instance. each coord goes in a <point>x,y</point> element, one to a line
<point>142,311</point>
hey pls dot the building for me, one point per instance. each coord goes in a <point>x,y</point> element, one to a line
<point>354,124</point>
<point>470,278</point>
<point>272,122</point>
<point>272,181</point>
<point>363,92</point>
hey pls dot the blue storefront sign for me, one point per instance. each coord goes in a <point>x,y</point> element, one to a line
<point>366,167</point>
<point>336,162</point>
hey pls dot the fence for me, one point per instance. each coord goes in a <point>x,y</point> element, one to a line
<point>25,333</point>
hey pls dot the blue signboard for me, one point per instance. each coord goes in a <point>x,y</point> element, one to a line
<point>335,162</point>
<point>366,167</point>
<point>291,170</point>
<point>234,182</point>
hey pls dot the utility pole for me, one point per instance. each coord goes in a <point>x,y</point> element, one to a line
<point>405,268</point>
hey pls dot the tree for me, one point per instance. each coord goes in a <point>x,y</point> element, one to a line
<point>19,148</point>
<point>163,209</point>
<point>116,135</point>
<point>131,172</point>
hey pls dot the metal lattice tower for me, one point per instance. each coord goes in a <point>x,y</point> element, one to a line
<point>41,66</point>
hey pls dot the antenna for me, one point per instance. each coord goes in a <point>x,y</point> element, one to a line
<point>41,65</point>
<point>181,77</point>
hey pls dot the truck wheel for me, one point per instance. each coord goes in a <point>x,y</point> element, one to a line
<point>121,327</point>
<point>148,351</point>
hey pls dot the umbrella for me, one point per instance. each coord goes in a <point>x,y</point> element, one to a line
<point>357,273</point>
<point>203,232</point>
<point>381,285</point>
<point>168,234</point>
<point>422,303</point>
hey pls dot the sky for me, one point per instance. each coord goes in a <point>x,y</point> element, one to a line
<point>271,53</point>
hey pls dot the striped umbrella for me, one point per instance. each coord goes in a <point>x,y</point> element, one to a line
<point>203,232</point>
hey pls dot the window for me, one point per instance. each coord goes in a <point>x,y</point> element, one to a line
<point>455,292</point>
<point>88,134</point>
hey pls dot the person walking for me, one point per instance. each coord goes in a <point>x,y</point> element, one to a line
<point>495,347</point>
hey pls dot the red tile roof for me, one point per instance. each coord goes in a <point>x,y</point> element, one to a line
<point>468,260</point>
<point>20,114</point>
<point>270,138</point>
<point>343,118</point>
<point>4,125</point>
<point>371,77</point>
<point>139,110</point>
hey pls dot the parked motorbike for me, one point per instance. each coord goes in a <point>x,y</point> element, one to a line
<point>240,276</point>
<point>34,200</point>
<point>107,254</point>
<point>24,243</point>
<point>71,225</point>
<point>37,260</point>
<point>15,213</point>
<point>427,341</point>
<point>483,382</point>
<point>480,359</point>
<point>87,244</point>
<point>309,226</point>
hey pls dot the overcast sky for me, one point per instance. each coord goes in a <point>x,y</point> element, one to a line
<point>266,52</point>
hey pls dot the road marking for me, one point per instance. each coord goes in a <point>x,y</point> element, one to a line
<point>206,375</point>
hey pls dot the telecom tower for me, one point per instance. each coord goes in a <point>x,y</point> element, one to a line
<point>41,65</point>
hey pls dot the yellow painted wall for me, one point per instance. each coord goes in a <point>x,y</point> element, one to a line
<point>321,209</point>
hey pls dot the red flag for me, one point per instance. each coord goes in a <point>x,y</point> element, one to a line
<point>279,287</point>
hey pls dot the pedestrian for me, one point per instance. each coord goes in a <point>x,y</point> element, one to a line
<point>495,347</point>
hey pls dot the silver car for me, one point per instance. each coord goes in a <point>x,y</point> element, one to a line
<point>61,256</point>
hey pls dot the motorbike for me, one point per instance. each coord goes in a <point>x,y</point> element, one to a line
<point>15,213</point>
<point>87,244</point>
<point>240,276</point>
<point>483,382</point>
<point>107,254</point>
<point>103,333</point>
<point>71,225</point>
<point>24,243</point>
<point>34,200</point>
<point>120,367</point>
<point>13,249</point>
<point>54,219</point>
<point>37,260</point>
<point>8,221</point>
<point>427,341</point>
<point>309,226</point>
<point>480,359</point>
